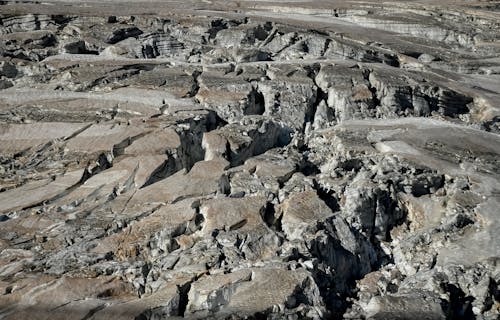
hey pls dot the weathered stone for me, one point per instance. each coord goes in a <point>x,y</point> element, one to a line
<point>301,212</point>
<point>249,290</point>
<point>243,214</point>
<point>404,307</point>
<point>249,159</point>
<point>19,137</point>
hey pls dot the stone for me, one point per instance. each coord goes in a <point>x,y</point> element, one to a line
<point>242,214</point>
<point>249,159</point>
<point>404,307</point>
<point>8,69</point>
<point>246,290</point>
<point>300,213</point>
<point>19,137</point>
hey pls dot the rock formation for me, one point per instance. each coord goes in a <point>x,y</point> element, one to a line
<point>249,159</point>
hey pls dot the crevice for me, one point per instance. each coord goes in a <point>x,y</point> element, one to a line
<point>104,161</point>
<point>166,169</point>
<point>263,136</point>
<point>183,297</point>
<point>255,104</point>
<point>196,84</point>
<point>336,271</point>
<point>312,72</point>
<point>215,27</point>
<point>460,306</point>
<point>76,133</point>
<point>93,311</point>
<point>126,223</point>
<point>375,99</point>
<point>271,218</point>
<point>190,150</point>
<point>269,38</point>
<point>306,167</point>
<point>293,41</point>
<point>325,48</point>
<point>327,196</point>
<point>119,148</point>
<point>122,34</point>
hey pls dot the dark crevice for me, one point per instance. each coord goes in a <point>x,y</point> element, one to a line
<point>189,152</point>
<point>293,41</point>
<point>335,286</point>
<point>255,104</point>
<point>327,196</point>
<point>460,306</point>
<point>122,34</point>
<point>183,298</point>
<point>119,148</point>
<point>325,48</point>
<point>306,167</point>
<point>373,90</point>
<point>270,217</point>
<point>196,85</point>
<point>166,169</point>
<point>338,288</point>
<point>312,72</point>
<point>93,311</point>
<point>215,27</point>
<point>268,135</point>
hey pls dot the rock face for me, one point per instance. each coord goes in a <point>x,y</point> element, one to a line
<point>249,160</point>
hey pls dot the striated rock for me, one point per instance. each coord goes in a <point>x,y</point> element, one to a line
<point>17,138</point>
<point>404,307</point>
<point>156,45</point>
<point>202,180</point>
<point>34,193</point>
<point>247,291</point>
<point>238,142</point>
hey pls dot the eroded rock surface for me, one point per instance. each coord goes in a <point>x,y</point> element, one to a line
<point>249,160</point>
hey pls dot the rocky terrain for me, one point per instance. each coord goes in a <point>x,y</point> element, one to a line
<point>250,159</point>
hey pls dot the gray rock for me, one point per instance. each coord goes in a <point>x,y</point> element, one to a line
<point>249,159</point>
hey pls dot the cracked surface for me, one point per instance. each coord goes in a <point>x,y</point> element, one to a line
<point>249,160</point>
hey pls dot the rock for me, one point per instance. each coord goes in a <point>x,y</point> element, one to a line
<point>37,192</point>
<point>158,45</point>
<point>4,84</point>
<point>247,290</point>
<point>348,91</point>
<point>426,58</point>
<point>404,307</point>
<point>19,137</point>
<point>27,22</point>
<point>300,213</point>
<point>163,303</point>
<point>238,142</point>
<point>66,296</point>
<point>247,160</point>
<point>122,34</point>
<point>8,69</point>
<point>243,214</point>
<point>104,138</point>
<point>202,180</point>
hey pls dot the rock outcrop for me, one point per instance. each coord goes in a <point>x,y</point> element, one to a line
<point>249,160</point>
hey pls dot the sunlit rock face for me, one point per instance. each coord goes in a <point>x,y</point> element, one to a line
<point>249,160</point>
